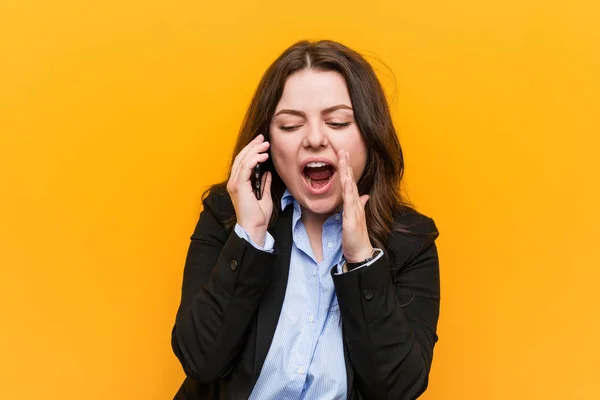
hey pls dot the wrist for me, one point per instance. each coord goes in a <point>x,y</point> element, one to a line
<point>361,256</point>
<point>258,236</point>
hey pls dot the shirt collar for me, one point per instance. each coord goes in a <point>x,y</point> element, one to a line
<point>286,199</point>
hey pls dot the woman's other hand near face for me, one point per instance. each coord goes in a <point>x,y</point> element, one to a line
<point>356,244</point>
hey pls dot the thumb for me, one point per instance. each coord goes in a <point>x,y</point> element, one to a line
<point>266,184</point>
<point>363,199</point>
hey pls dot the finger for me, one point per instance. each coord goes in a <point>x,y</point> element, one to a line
<point>342,166</point>
<point>247,166</point>
<point>352,182</point>
<point>363,199</point>
<point>258,139</point>
<point>349,203</point>
<point>266,185</point>
<point>347,194</point>
<point>350,170</point>
<point>342,172</point>
<point>249,151</point>
<point>244,150</point>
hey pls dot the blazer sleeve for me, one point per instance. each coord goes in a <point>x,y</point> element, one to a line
<point>223,281</point>
<point>390,319</point>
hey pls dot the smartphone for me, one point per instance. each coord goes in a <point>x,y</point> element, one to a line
<point>257,174</point>
<point>256,180</point>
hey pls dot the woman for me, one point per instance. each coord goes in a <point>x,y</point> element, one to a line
<point>328,286</point>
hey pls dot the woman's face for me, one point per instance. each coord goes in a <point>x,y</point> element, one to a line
<point>313,121</point>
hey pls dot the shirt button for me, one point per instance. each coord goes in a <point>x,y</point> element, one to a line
<point>337,217</point>
<point>311,318</point>
<point>368,294</point>
<point>330,245</point>
<point>300,370</point>
<point>233,265</point>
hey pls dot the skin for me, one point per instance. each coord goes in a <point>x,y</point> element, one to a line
<point>313,118</point>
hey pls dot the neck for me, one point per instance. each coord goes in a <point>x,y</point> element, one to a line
<point>313,220</point>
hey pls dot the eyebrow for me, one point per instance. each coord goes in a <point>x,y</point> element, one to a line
<point>325,111</point>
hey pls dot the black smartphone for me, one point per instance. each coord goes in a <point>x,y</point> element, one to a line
<point>257,174</point>
<point>256,180</point>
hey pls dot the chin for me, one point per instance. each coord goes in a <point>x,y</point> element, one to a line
<point>322,206</point>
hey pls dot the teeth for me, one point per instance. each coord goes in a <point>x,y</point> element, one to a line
<point>316,164</point>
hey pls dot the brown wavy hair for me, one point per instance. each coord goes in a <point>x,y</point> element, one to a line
<point>384,168</point>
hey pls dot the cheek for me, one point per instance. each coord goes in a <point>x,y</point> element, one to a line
<point>359,167</point>
<point>358,159</point>
<point>281,159</point>
<point>353,143</point>
<point>284,150</point>
<point>277,156</point>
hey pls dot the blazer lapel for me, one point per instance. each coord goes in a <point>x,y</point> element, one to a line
<point>272,301</point>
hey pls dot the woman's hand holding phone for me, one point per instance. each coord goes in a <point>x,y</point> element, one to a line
<point>252,214</point>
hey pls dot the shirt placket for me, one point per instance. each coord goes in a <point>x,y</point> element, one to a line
<point>300,360</point>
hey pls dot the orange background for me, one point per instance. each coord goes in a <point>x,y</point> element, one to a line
<point>115,116</point>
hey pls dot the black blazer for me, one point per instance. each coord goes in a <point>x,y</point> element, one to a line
<point>233,293</point>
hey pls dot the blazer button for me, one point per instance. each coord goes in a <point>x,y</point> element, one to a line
<point>233,265</point>
<point>368,294</point>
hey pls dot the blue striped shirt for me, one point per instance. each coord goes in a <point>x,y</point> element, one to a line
<point>306,358</point>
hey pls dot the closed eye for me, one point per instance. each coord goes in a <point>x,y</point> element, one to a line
<point>334,125</point>
<point>338,125</point>
<point>289,127</point>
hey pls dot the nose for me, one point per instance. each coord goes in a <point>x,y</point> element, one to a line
<point>315,137</point>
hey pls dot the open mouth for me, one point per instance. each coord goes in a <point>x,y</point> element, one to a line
<point>318,174</point>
